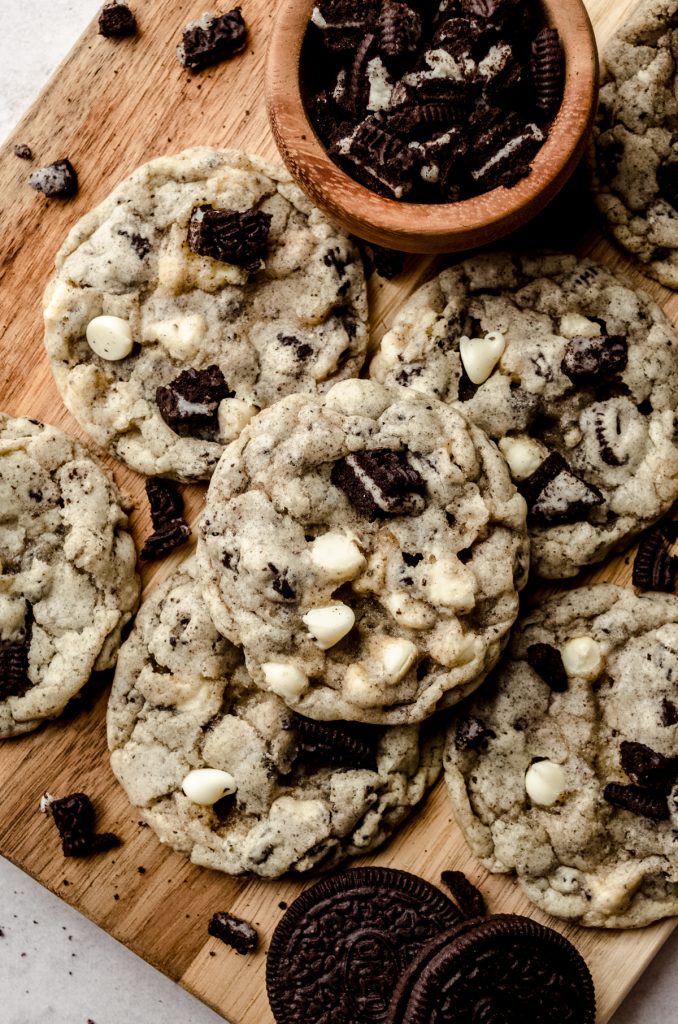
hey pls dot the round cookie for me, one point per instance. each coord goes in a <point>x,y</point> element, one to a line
<point>576,377</point>
<point>563,769</point>
<point>366,549</point>
<point>633,157</point>
<point>204,288</point>
<point>68,583</point>
<point>299,795</point>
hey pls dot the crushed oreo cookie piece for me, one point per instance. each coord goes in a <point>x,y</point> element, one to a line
<point>378,159</point>
<point>56,181</point>
<point>471,733</point>
<point>281,584</point>
<point>548,664</point>
<point>344,23</point>
<point>590,360</point>
<point>645,767</point>
<point>165,539</point>
<point>667,181</point>
<point>235,932</point>
<point>654,567</point>
<point>336,743</point>
<point>380,483</point>
<point>212,39</point>
<point>547,71</point>
<point>165,500</point>
<point>555,494</point>
<point>116,20</point>
<point>23,151</point>
<point>75,820</point>
<point>468,898</point>
<point>388,263</point>
<point>141,245</point>
<point>14,678</point>
<point>229,236</point>
<point>669,713</point>
<point>189,404</point>
<point>644,802</point>
<point>399,29</point>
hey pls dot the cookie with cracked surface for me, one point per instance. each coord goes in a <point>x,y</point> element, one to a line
<point>633,157</point>
<point>268,792</point>
<point>572,372</point>
<point>366,549</point>
<point>68,583</point>
<point>205,288</point>
<point>575,791</point>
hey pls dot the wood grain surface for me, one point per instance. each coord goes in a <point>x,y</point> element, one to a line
<point>110,106</point>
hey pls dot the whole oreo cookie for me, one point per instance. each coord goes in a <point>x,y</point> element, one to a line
<point>339,950</point>
<point>499,970</point>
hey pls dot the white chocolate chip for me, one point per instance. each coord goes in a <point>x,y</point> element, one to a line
<point>398,658</point>
<point>408,612</point>
<point>288,681</point>
<point>544,782</point>
<point>479,356</point>
<point>182,337</point>
<point>207,785</point>
<point>109,337</point>
<point>574,325</point>
<point>523,455</point>
<point>572,436</point>
<point>451,586</point>
<point>328,625</point>
<point>337,556</point>
<point>234,415</point>
<point>583,656</point>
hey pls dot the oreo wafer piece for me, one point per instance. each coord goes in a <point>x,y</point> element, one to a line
<point>654,567</point>
<point>379,483</point>
<point>554,494</point>
<point>498,970</point>
<point>338,952</point>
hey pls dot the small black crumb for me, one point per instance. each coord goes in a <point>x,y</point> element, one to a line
<point>212,953</point>
<point>282,905</point>
<point>65,882</point>
<point>388,263</point>
<point>142,824</point>
<point>2,934</point>
<point>142,871</point>
<point>23,954</point>
<point>57,181</point>
<point>116,896</point>
<point>117,20</point>
<point>212,39</point>
<point>233,931</point>
<point>23,151</point>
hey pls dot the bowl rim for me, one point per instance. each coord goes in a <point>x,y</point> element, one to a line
<point>309,163</point>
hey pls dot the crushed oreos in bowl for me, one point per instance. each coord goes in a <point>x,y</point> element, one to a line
<point>428,101</point>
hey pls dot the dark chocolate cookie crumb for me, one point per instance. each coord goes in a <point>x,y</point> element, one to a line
<point>168,537</point>
<point>14,678</point>
<point>645,767</point>
<point>654,567</point>
<point>468,898</point>
<point>588,360</point>
<point>644,802</point>
<point>117,20</point>
<point>471,733</point>
<point>379,483</point>
<point>548,664</point>
<point>165,500</point>
<point>211,39</point>
<point>388,263</point>
<point>189,404</point>
<point>74,818</point>
<point>669,713</point>
<point>229,236</point>
<point>336,743</point>
<point>56,181</point>
<point>23,151</point>
<point>555,494</point>
<point>235,932</point>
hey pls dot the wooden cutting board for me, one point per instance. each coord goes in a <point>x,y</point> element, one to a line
<point>109,107</point>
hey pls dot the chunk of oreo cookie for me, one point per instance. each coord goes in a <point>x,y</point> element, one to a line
<point>336,743</point>
<point>165,500</point>
<point>667,182</point>
<point>211,39</point>
<point>471,733</point>
<point>398,29</point>
<point>498,970</point>
<point>229,236</point>
<point>190,403</point>
<point>388,263</point>
<point>338,952</point>
<point>56,181</point>
<point>75,820</point>
<point>645,767</point>
<point>465,894</point>
<point>23,151</point>
<point>378,158</point>
<point>646,803</point>
<point>654,567</point>
<point>503,153</point>
<point>165,539</point>
<point>116,20</point>
<point>587,361</point>
<point>380,483</point>
<point>548,664</point>
<point>547,71</point>
<point>555,494</point>
<point>14,678</point>
<point>344,23</point>
<point>235,932</point>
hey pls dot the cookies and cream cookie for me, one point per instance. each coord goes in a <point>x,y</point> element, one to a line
<point>68,583</point>
<point>634,155</point>
<point>227,774</point>
<point>572,372</point>
<point>203,289</point>
<point>564,768</point>
<point>366,549</point>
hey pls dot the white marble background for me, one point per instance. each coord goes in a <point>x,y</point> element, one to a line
<point>55,966</point>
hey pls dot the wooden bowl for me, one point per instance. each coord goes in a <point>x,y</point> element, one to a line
<point>440,227</point>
